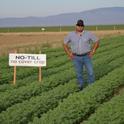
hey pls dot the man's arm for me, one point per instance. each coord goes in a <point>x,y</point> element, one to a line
<point>95,46</point>
<point>68,52</point>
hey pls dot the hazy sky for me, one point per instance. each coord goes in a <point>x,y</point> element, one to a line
<point>23,8</point>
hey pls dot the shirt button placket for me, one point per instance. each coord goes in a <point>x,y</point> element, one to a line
<point>79,45</point>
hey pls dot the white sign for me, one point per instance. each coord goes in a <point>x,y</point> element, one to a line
<point>36,60</point>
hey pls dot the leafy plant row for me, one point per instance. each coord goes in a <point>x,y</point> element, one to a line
<point>51,52</point>
<point>52,55</point>
<point>22,72</point>
<point>107,44</point>
<point>111,52</point>
<point>51,70</point>
<point>18,95</point>
<point>12,97</point>
<point>35,106</point>
<point>79,106</point>
<point>23,112</point>
<point>34,77</point>
<point>111,112</point>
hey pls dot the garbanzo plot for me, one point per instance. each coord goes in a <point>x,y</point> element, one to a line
<point>57,99</point>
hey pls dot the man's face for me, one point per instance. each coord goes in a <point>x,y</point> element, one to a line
<point>79,28</point>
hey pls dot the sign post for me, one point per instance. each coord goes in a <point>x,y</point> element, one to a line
<point>40,74</point>
<point>30,60</point>
<point>14,75</point>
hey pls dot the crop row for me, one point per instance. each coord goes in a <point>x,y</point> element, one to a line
<point>23,112</point>
<point>34,77</point>
<point>38,105</point>
<point>7,73</point>
<point>50,71</point>
<point>52,63</point>
<point>23,93</point>
<point>79,106</point>
<point>14,96</point>
<point>18,95</point>
<point>111,112</point>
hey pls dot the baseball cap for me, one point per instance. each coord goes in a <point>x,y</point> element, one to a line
<point>80,22</point>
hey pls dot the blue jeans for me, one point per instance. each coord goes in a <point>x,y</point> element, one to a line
<point>79,62</point>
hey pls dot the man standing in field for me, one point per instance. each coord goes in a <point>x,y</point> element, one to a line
<point>77,45</point>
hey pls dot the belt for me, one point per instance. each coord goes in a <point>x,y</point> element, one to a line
<point>84,54</point>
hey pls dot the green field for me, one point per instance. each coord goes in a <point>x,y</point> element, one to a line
<point>57,99</point>
<point>60,28</point>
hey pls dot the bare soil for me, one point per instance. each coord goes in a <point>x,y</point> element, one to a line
<point>10,41</point>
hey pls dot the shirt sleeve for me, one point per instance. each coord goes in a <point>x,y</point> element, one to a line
<point>93,38</point>
<point>67,39</point>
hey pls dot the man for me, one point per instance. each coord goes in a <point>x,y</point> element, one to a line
<point>77,45</point>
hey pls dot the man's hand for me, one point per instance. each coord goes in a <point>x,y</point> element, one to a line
<point>96,45</point>
<point>69,53</point>
<point>71,56</point>
<point>91,53</point>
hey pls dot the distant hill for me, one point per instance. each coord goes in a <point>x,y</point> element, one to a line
<point>104,16</point>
